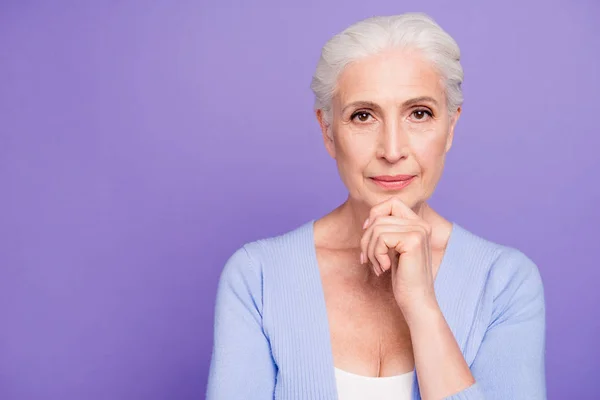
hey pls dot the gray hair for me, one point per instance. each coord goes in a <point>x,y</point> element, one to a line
<point>376,34</point>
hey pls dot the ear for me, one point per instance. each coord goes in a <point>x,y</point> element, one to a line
<point>453,121</point>
<point>327,133</point>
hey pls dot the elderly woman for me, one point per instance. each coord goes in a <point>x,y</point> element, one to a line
<point>383,298</point>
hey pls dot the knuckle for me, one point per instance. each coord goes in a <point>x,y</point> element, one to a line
<point>415,239</point>
<point>380,258</point>
<point>381,246</point>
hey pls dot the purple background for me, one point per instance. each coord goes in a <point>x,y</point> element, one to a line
<point>142,142</point>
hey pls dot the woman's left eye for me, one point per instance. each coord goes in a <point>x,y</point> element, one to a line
<point>421,115</point>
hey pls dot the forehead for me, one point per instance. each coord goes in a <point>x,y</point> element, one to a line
<point>391,77</point>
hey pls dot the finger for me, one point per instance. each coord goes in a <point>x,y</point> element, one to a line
<point>384,262</point>
<point>399,239</point>
<point>375,232</point>
<point>397,220</point>
<point>392,241</point>
<point>380,259</point>
<point>369,241</point>
<point>389,220</point>
<point>384,250</point>
<point>393,206</point>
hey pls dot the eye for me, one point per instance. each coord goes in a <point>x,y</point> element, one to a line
<point>362,116</point>
<point>421,114</point>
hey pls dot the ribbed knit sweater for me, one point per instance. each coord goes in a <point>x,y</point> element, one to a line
<point>271,333</point>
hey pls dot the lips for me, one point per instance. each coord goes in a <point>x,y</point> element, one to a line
<point>393,182</point>
<point>392,178</point>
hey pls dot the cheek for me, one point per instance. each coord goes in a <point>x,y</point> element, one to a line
<point>435,147</point>
<point>430,149</point>
<point>355,150</point>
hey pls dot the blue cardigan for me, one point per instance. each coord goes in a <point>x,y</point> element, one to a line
<point>271,334</point>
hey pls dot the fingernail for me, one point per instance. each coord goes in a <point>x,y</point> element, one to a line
<point>366,223</point>
<point>362,258</point>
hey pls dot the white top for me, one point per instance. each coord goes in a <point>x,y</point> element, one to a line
<point>358,387</point>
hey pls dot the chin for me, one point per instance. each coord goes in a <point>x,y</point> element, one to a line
<point>371,199</point>
<point>405,195</point>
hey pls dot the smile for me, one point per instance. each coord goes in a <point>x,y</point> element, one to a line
<point>392,184</point>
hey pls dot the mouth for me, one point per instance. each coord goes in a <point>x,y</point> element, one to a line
<point>396,182</point>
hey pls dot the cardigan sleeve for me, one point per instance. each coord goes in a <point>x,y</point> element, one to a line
<point>241,366</point>
<point>510,361</point>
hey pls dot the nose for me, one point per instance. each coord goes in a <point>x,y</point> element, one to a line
<point>393,142</point>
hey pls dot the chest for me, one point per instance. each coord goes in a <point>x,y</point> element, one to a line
<point>368,333</point>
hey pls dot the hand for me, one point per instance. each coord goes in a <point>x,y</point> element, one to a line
<point>398,239</point>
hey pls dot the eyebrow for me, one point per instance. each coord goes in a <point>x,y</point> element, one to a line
<point>375,106</point>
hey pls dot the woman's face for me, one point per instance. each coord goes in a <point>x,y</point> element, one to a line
<point>390,117</point>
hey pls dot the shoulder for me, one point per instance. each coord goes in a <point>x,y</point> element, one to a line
<point>252,259</point>
<point>513,266</point>
<point>263,269</point>
<point>516,286</point>
<point>500,263</point>
<point>508,275</point>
